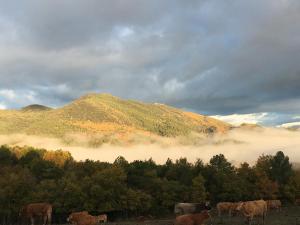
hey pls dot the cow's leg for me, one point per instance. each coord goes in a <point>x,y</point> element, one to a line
<point>44,219</point>
<point>49,218</point>
<point>32,220</point>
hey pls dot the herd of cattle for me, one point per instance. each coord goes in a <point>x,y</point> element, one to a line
<point>186,213</point>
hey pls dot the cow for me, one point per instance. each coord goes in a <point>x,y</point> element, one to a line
<point>102,218</point>
<point>233,209</point>
<point>75,216</point>
<point>297,201</point>
<point>192,219</point>
<point>224,207</point>
<point>86,219</point>
<point>251,209</point>
<point>274,204</point>
<point>34,210</point>
<point>189,208</point>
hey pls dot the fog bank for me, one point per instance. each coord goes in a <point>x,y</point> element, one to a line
<point>238,146</point>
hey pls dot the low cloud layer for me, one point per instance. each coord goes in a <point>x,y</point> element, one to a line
<point>213,57</point>
<point>238,146</point>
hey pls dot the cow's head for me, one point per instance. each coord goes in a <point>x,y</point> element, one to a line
<point>69,219</point>
<point>22,211</point>
<point>207,205</point>
<point>239,206</point>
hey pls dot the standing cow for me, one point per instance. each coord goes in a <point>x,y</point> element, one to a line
<point>253,208</point>
<point>224,207</point>
<point>188,208</point>
<point>37,210</point>
<point>274,204</point>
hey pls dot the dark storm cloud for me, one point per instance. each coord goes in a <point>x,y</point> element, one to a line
<point>216,57</point>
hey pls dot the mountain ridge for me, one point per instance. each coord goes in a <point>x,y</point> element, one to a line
<point>108,115</point>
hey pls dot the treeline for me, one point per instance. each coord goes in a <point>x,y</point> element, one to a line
<point>138,188</point>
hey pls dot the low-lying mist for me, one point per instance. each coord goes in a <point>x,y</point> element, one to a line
<point>238,145</point>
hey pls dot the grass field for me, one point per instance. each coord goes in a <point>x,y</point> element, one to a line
<point>287,216</point>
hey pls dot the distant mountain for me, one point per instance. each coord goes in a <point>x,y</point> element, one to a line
<point>107,115</point>
<point>35,107</point>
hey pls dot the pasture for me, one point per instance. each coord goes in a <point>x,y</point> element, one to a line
<point>287,216</point>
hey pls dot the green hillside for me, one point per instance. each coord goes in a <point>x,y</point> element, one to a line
<point>109,115</point>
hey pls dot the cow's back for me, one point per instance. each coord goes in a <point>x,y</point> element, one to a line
<point>273,204</point>
<point>185,208</point>
<point>255,208</point>
<point>184,220</point>
<point>36,209</point>
<point>224,206</point>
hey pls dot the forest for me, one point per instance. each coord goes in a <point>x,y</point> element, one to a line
<point>129,189</point>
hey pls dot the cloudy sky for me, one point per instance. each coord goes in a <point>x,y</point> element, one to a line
<point>234,58</point>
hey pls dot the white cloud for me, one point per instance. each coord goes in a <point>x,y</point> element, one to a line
<point>8,94</point>
<point>2,105</point>
<point>238,119</point>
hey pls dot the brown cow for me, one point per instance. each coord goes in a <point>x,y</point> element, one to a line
<point>253,208</point>
<point>33,210</point>
<point>274,204</point>
<point>75,216</point>
<point>192,219</point>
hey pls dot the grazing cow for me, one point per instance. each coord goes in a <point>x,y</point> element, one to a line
<point>34,210</point>
<point>274,204</point>
<point>253,208</point>
<point>192,219</point>
<point>75,216</point>
<point>188,208</point>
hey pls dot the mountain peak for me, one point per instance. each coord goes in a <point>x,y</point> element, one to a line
<point>36,107</point>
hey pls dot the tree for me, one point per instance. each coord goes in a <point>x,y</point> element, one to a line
<point>6,156</point>
<point>221,179</point>
<point>281,169</point>
<point>198,193</point>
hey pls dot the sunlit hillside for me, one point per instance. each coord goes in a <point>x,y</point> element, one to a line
<point>107,115</point>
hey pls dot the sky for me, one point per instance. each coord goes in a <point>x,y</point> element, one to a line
<point>237,60</point>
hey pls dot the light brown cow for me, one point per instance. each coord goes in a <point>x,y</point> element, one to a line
<point>233,209</point>
<point>251,209</point>
<point>192,219</point>
<point>274,204</point>
<point>86,219</point>
<point>224,207</point>
<point>75,216</point>
<point>34,210</point>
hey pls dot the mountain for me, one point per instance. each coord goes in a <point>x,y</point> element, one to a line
<point>104,114</point>
<point>35,107</point>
